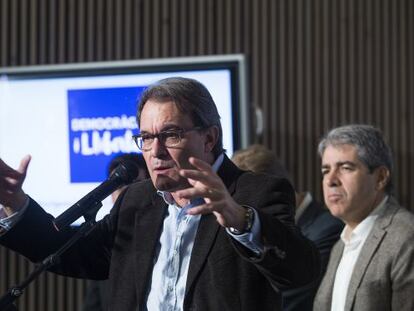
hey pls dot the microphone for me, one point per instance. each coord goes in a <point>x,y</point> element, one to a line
<point>123,174</point>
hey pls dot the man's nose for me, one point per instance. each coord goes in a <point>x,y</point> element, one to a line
<point>158,149</point>
<point>331,179</point>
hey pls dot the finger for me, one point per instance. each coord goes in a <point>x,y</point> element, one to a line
<point>24,163</point>
<point>10,184</point>
<point>192,182</point>
<point>202,177</point>
<point>200,164</point>
<point>7,170</point>
<point>200,209</point>
<point>190,193</point>
<point>6,197</point>
<point>206,193</point>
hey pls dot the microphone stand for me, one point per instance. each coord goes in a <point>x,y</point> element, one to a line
<point>53,259</point>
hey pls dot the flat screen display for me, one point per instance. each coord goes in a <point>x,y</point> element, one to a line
<point>73,119</point>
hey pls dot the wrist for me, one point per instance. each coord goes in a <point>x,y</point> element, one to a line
<point>17,204</point>
<point>248,222</point>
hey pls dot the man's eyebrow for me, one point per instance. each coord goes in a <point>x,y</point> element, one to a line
<point>339,163</point>
<point>167,127</point>
<point>346,163</point>
<point>170,127</point>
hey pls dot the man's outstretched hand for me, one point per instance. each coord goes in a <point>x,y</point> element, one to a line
<point>12,196</point>
<point>205,183</point>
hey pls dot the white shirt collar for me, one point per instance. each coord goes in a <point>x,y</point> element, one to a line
<point>361,231</point>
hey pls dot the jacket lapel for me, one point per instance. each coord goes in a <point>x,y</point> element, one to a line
<point>368,250</point>
<point>324,296</point>
<point>202,245</point>
<point>208,227</point>
<point>148,223</point>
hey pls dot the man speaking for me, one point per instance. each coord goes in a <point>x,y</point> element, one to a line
<point>200,235</point>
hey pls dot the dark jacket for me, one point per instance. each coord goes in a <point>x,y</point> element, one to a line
<point>318,225</point>
<point>223,275</point>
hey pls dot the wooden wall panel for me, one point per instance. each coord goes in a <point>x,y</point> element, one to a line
<point>312,65</point>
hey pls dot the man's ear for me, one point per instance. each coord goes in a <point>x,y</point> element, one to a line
<point>383,174</point>
<point>211,138</point>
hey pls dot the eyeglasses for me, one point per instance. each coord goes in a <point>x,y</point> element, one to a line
<point>169,138</point>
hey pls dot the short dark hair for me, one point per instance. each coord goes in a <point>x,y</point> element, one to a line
<point>135,159</point>
<point>369,142</point>
<point>191,98</point>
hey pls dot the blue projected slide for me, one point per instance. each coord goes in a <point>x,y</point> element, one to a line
<point>101,124</point>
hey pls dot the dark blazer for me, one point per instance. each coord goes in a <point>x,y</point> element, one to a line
<point>383,277</point>
<point>97,296</point>
<point>223,275</point>
<point>318,225</point>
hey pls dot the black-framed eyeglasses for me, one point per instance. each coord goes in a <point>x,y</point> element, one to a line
<point>168,138</point>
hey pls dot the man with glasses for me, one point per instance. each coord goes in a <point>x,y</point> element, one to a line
<point>200,235</point>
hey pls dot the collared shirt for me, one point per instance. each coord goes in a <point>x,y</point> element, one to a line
<point>169,275</point>
<point>354,241</point>
<point>171,263</point>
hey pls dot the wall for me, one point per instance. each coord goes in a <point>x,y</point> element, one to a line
<point>313,64</point>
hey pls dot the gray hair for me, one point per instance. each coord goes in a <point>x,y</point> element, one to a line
<point>369,142</point>
<point>191,98</point>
